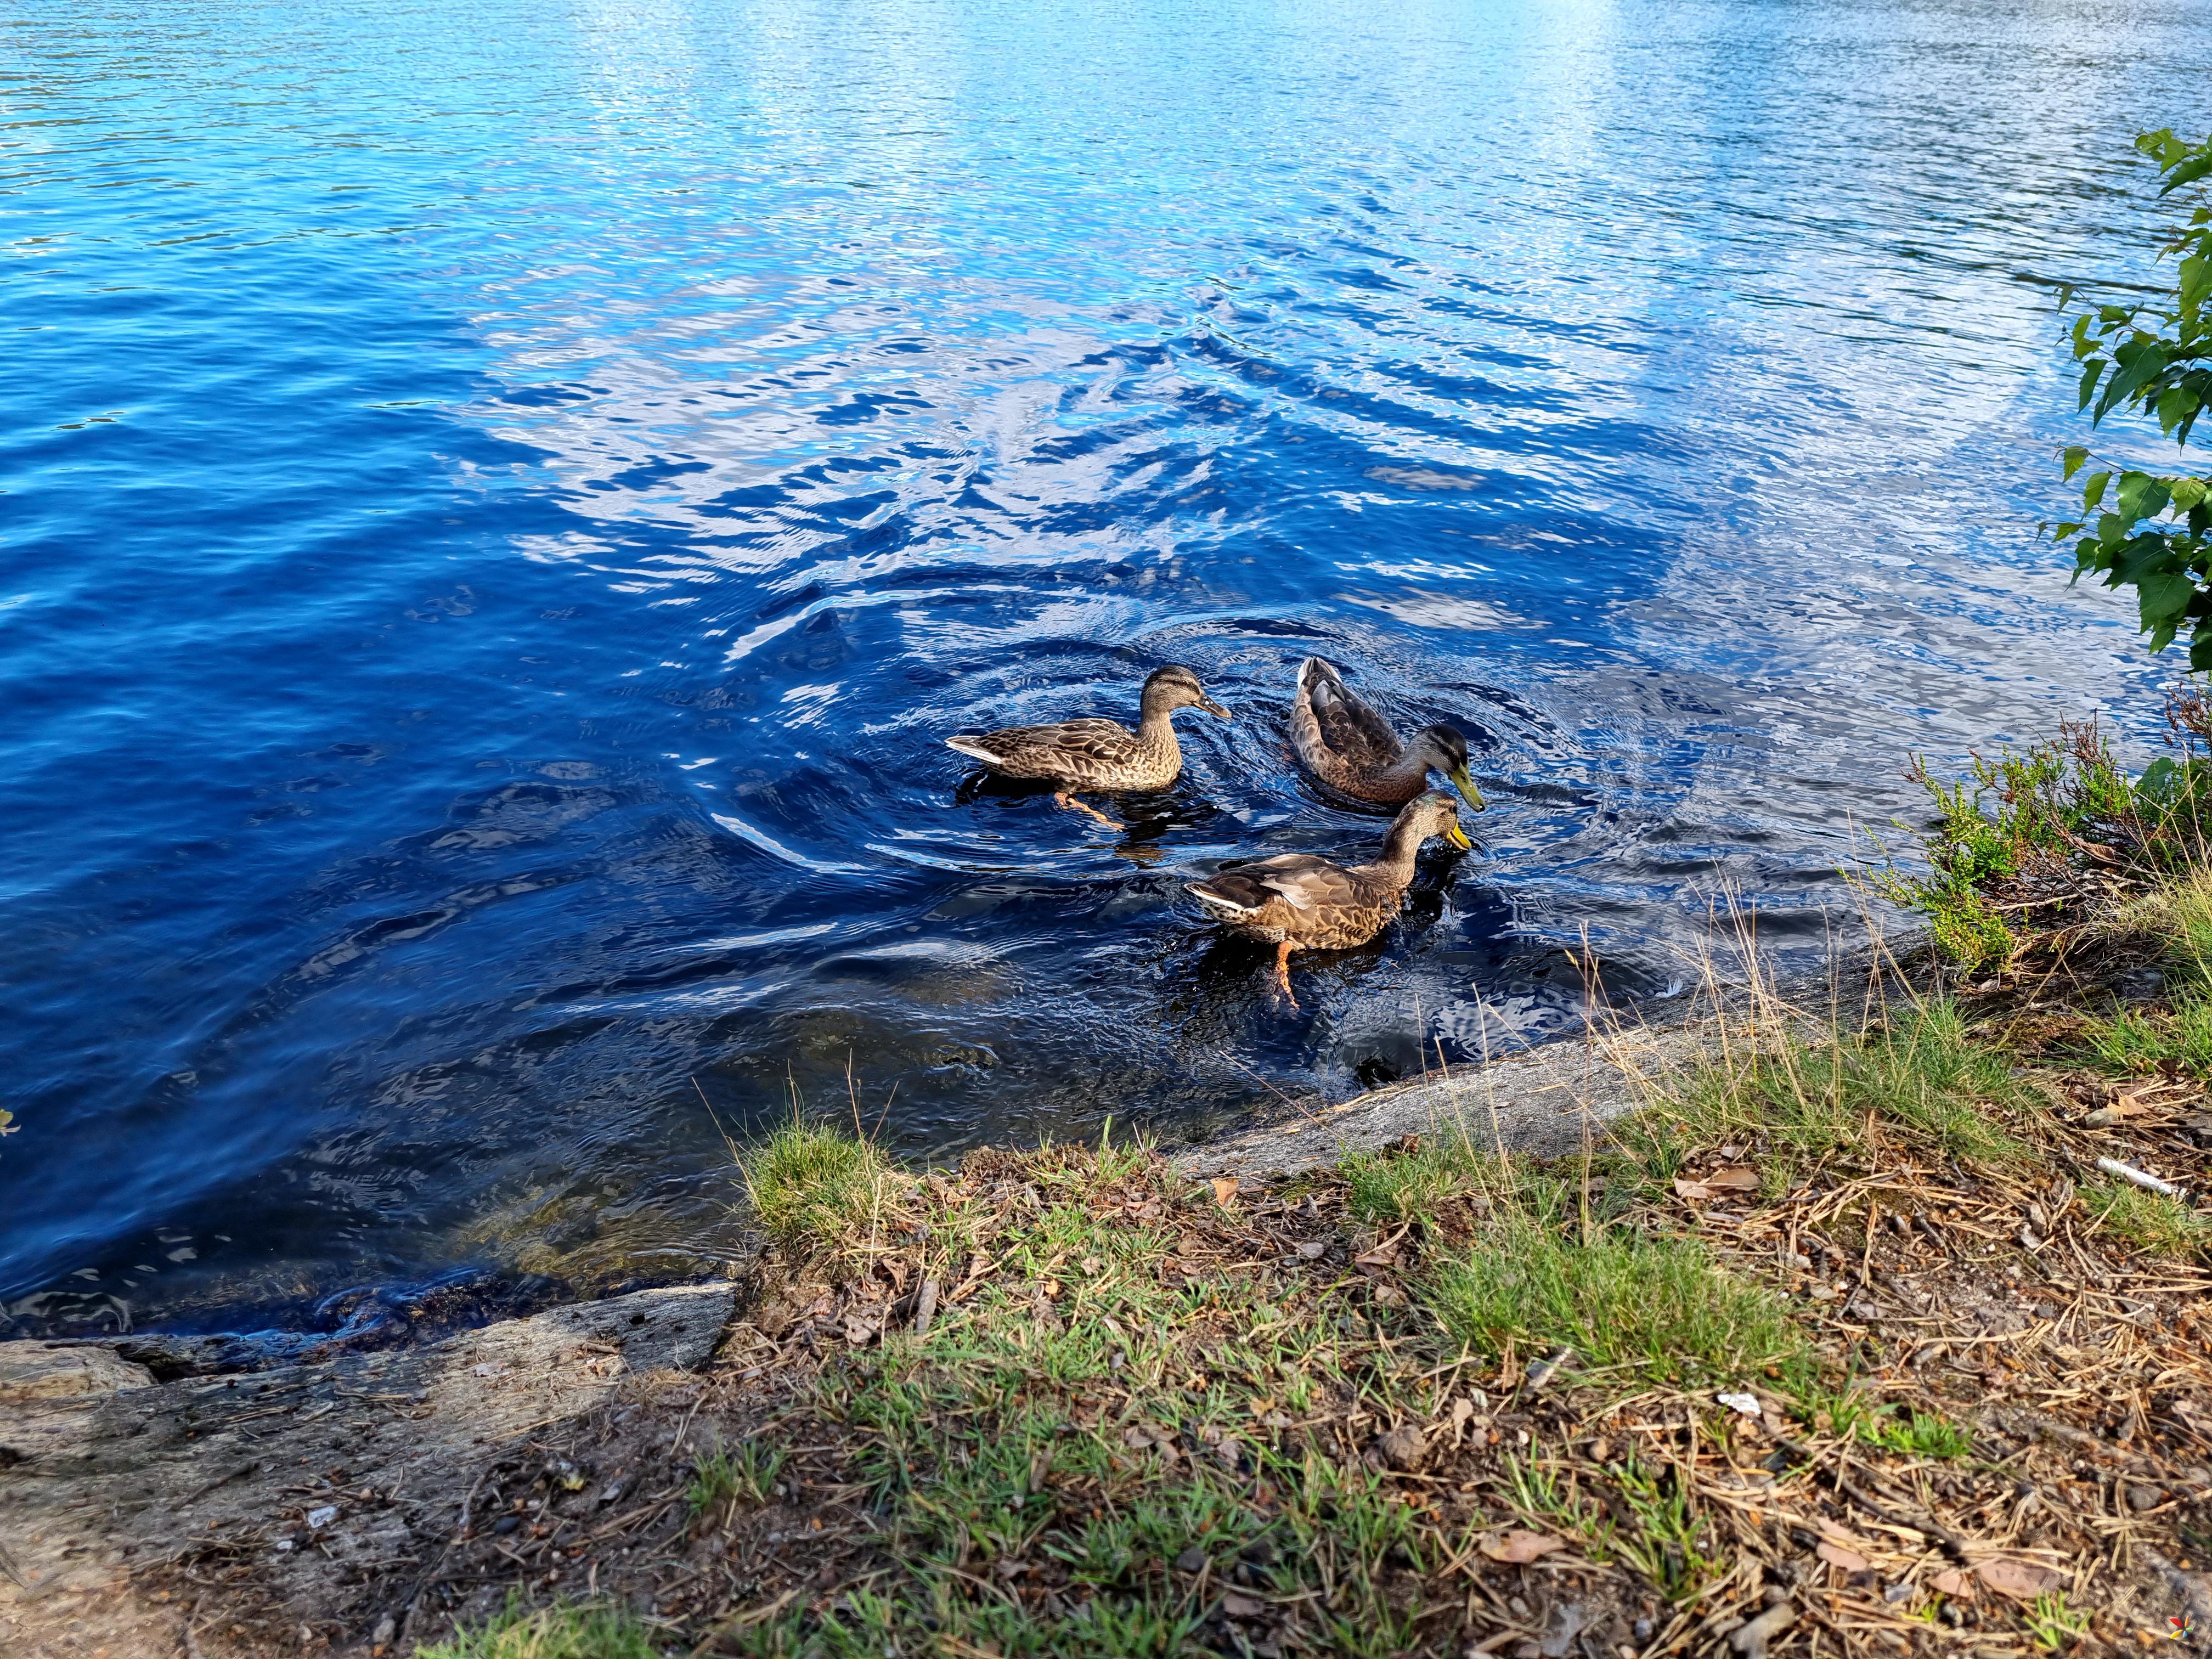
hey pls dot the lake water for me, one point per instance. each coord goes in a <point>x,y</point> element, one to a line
<point>503,503</point>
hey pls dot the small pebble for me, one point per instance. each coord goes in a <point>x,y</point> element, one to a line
<point>1191,1560</point>
<point>1402,1447</point>
<point>2145,1497</point>
<point>507,1524</point>
<point>1641,1630</point>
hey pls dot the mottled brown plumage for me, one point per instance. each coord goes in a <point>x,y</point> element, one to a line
<point>1353,750</point>
<point>1296,902</point>
<point>1098,754</point>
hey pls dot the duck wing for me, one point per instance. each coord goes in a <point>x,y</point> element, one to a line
<point>1299,879</point>
<point>1333,729</point>
<point>1051,751</point>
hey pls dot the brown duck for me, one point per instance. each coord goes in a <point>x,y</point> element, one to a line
<point>1098,754</point>
<point>1353,750</point>
<point>1300,902</point>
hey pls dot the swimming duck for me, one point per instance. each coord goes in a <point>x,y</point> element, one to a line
<point>1351,748</point>
<point>1296,902</point>
<point>1098,754</point>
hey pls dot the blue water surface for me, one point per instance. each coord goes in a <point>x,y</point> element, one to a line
<point>502,503</point>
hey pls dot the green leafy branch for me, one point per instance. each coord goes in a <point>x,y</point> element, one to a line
<point>2149,531</point>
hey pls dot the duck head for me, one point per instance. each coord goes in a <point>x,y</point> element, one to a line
<point>1444,749</point>
<point>1177,687</point>
<point>1434,813</point>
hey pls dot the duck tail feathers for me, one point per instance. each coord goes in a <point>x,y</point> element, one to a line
<point>1317,676</point>
<point>1216,902</point>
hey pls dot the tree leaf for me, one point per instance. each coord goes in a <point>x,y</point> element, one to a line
<point>1519,1549</point>
<point>1837,1556</point>
<point>2188,492</point>
<point>2021,1580</point>
<point>2092,490</point>
<point>2166,596</point>
<point>2073,456</point>
<point>2089,373</point>
<point>2135,489</point>
<point>2187,173</point>
<point>2142,360</point>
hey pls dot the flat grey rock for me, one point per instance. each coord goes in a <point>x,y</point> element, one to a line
<point>1542,1102</point>
<point>31,1372</point>
<point>361,1461</point>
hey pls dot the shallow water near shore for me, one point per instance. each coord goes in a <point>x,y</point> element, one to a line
<point>505,504</point>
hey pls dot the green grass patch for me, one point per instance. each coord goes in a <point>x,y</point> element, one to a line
<point>1916,1434</point>
<point>1651,1309</point>
<point>2185,921</point>
<point>814,1183</point>
<point>2136,1041</point>
<point>2054,1625</point>
<point>747,1475</point>
<point>2147,1221</point>
<point>1383,1188</point>
<point>1922,1081</point>
<point>1089,1410</point>
<point>563,1630</point>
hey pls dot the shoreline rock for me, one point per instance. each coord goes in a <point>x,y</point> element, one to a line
<point>336,1482</point>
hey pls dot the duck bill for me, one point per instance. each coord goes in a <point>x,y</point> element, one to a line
<point>1464,783</point>
<point>1456,835</point>
<point>1213,708</point>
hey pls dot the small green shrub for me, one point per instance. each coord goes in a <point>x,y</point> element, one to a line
<point>2035,810</point>
<point>564,1630</point>
<point>1658,1309</point>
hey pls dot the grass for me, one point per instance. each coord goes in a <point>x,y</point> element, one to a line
<point>2185,923</point>
<point>1917,1434</point>
<point>2149,1222</point>
<point>749,1474</point>
<point>1387,1188</point>
<point>812,1185</point>
<point>1923,1082</point>
<point>563,1630</point>
<point>2134,1042</point>
<point>2053,1624</point>
<point>1653,1308</point>
<point>1086,1413</point>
